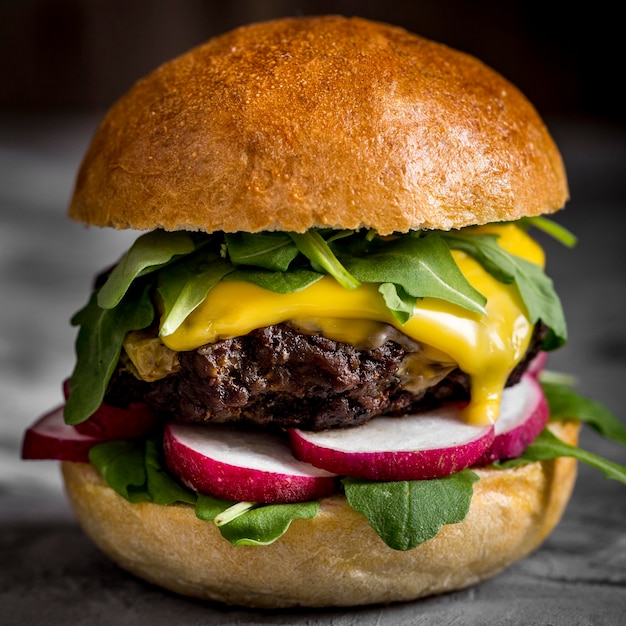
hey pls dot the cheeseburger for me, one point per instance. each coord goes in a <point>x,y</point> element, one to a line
<point>316,377</point>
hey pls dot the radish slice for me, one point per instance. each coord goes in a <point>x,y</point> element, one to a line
<point>523,415</point>
<point>538,364</point>
<point>50,438</point>
<point>112,422</point>
<point>412,447</point>
<point>242,465</point>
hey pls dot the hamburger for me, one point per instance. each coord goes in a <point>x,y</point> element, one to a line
<point>313,378</point>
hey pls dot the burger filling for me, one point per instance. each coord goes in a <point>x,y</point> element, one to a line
<point>333,330</point>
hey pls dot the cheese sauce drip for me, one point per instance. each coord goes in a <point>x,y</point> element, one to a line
<point>486,347</point>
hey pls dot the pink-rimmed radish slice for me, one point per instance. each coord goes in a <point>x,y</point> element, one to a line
<point>242,465</point>
<point>50,438</point>
<point>112,422</point>
<point>538,364</point>
<point>421,446</point>
<point>524,413</point>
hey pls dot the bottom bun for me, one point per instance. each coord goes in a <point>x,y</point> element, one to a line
<point>334,559</point>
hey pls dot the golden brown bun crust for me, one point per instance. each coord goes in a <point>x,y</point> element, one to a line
<point>335,559</point>
<point>319,122</point>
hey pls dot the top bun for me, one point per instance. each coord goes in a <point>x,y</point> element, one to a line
<point>319,122</point>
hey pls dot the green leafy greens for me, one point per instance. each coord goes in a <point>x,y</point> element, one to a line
<point>136,470</point>
<point>317,250</point>
<point>566,403</point>
<point>269,251</point>
<point>98,348</point>
<point>534,286</point>
<point>150,252</point>
<point>186,285</point>
<point>416,267</point>
<point>407,513</point>
<point>259,525</point>
<point>548,446</point>
<point>548,226</point>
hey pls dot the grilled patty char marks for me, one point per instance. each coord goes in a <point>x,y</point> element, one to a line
<point>278,376</point>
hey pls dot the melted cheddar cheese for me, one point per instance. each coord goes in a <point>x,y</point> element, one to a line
<point>486,347</point>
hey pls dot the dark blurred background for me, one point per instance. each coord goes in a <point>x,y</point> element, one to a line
<point>59,55</point>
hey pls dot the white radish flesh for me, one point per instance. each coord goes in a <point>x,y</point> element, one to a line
<point>242,465</point>
<point>412,447</point>
<point>50,438</point>
<point>523,415</point>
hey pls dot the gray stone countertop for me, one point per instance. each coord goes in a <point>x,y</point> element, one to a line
<point>51,574</point>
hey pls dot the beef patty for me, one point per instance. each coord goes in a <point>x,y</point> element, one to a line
<point>278,376</point>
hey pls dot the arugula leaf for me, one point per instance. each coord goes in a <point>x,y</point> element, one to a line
<point>268,250</point>
<point>121,464</point>
<point>534,286</point>
<point>262,525</point>
<point>136,470</point>
<point>98,348</point>
<point>149,252</point>
<point>279,282</point>
<point>405,514</point>
<point>422,267</point>
<point>398,301</point>
<point>548,226</point>
<point>163,489</point>
<point>232,512</point>
<point>542,302</point>
<point>565,403</point>
<point>185,284</point>
<point>548,446</point>
<point>315,248</point>
<point>208,507</point>
<point>254,525</point>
